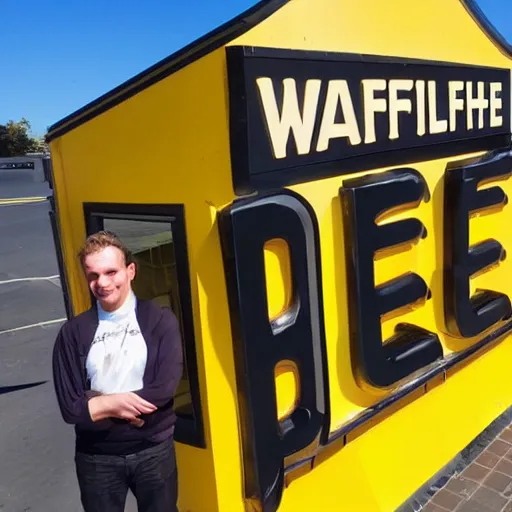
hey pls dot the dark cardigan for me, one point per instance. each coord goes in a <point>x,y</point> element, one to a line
<point>162,375</point>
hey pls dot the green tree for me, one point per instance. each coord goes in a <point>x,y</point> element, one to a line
<point>40,145</point>
<point>4,141</point>
<point>15,139</point>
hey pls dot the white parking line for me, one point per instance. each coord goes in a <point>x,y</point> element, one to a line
<point>9,200</point>
<point>40,324</point>
<point>19,203</point>
<point>13,199</point>
<point>20,279</point>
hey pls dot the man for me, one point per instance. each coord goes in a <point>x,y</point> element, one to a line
<point>116,368</point>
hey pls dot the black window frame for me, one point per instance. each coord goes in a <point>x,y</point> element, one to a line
<point>188,431</point>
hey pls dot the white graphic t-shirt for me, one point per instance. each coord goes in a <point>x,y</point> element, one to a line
<point>117,358</point>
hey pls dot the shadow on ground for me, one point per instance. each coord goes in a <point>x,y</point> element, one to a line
<point>10,389</point>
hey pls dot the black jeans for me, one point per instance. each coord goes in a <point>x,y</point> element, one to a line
<point>150,474</point>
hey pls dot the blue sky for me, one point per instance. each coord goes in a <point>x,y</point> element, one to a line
<point>57,55</point>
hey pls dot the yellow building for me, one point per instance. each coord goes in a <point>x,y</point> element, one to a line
<point>319,190</point>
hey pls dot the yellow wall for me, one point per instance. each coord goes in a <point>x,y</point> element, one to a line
<point>170,144</point>
<point>137,153</point>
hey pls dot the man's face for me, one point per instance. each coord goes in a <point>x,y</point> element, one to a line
<point>109,277</point>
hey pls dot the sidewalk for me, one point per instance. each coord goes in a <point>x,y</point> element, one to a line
<point>485,485</point>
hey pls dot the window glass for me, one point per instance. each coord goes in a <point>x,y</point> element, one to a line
<point>156,278</point>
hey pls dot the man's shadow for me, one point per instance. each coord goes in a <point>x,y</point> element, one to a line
<point>10,389</point>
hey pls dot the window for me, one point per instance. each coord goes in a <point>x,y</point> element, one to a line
<point>156,236</point>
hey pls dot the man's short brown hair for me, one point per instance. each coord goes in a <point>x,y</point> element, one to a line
<point>101,240</point>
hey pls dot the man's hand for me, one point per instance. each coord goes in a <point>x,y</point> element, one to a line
<point>126,406</point>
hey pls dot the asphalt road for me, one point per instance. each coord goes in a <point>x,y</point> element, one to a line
<point>36,447</point>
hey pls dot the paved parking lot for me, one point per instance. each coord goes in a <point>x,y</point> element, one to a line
<point>36,446</point>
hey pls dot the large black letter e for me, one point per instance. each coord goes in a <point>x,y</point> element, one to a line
<point>467,316</point>
<point>364,200</point>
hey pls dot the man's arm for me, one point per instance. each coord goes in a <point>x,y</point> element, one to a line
<point>169,364</point>
<point>125,406</point>
<point>80,407</point>
<point>68,380</point>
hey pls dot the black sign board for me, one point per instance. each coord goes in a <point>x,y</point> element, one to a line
<point>301,115</point>
<point>16,165</point>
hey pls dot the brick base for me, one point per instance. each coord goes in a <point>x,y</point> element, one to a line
<point>479,479</point>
